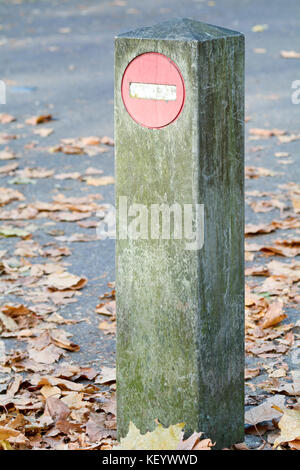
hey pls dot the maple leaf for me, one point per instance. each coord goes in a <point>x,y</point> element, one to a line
<point>159,439</point>
<point>289,426</point>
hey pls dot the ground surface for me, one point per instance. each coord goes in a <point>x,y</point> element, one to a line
<point>57,57</point>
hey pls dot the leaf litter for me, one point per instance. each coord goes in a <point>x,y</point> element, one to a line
<point>49,402</point>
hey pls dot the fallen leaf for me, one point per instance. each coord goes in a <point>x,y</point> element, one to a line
<point>8,195</point>
<point>267,132</point>
<point>274,314</point>
<point>65,280</point>
<point>260,50</point>
<point>256,172</point>
<point>289,426</point>
<point>65,176</point>
<point>102,181</point>
<point>265,411</point>
<point>285,139</point>
<point>44,132</point>
<point>35,120</point>
<point>159,439</point>
<point>108,308</point>
<point>195,443</point>
<point>7,155</point>
<point>251,373</point>
<point>6,118</point>
<point>7,169</point>
<point>290,54</point>
<point>56,409</point>
<point>106,376</point>
<point>49,391</point>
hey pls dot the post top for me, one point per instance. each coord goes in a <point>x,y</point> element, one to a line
<point>180,29</point>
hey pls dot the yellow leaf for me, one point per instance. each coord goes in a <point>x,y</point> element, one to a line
<point>159,439</point>
<point>289,426</point>
<point>258,28</point>
<point>5,445</point>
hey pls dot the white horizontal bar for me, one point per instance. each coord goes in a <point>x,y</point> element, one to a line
<point>151,91</point>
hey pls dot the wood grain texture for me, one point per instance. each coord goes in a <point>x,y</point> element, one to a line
<point>180,313</point>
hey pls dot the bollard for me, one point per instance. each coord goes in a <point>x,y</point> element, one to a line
<point>179,129</point>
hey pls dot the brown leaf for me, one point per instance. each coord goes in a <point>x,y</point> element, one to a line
<point>265,133</point>
<point>8,195</point>
<point>95,428</point>
<point>265,411</point>
<point>256,172</point>
<point>44,132</point>
<point>108,308</point>
<point>56,409</point>
<point>6,118</point>
<point>49,391</point>
<point>290,54</point>
<point>35,173</point>
<point>65,280</point>
<point>274,315</point>
<point>7,155</point>
<point>107,375</point>
<point>59,339</point>
<point>251,373</point>
<point>107,141</point>
<point>69,216</point>
<point>13,312</point>
<point>47,355</point>
<point>285,139</point>
<point>110,406</point>
<point>65,176</point>
<point>34,120</point>
<point>102,181</point>
<point>14,385</point>
<point>7,169</point>
<point>6,433</point>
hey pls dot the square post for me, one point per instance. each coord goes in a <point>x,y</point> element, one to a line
<point>179,130</point>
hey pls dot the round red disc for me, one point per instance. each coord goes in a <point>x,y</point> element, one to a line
<point>153,90</point>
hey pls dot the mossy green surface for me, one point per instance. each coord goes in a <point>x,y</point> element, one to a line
<point>180,313</point>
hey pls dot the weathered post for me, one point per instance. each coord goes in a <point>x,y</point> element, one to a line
<point>179,128</point>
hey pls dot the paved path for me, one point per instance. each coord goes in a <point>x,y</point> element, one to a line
<point>57,57</point>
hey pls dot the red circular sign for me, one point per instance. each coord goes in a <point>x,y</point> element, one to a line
<point>153,90</point>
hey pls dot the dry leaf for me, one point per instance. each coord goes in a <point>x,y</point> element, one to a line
<point>6,118</point>
<point>102,181</point>
<point>159,439</point>
<point>195,443</point>
<point>56,409</point>
<point>290,54</point>
<point>289,426</point>
<point>44,132</point>
<point>256,172</point>
<point>8,195</point>
<point>106,376</point>
<point>7,155</point>
<point>274,314</point>
<point>65,280</point>
<point>259,28</point>
<point>267,132</point>
<point>265,411</point>
<point>7,169</point>
<point>108,308</point>
<point>34,120</point>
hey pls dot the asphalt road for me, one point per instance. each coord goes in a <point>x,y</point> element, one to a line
<point>57,56</point>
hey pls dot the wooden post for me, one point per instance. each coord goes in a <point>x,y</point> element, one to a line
<point>179,128</point>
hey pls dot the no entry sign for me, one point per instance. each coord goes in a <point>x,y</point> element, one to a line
<point>153,90</point>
